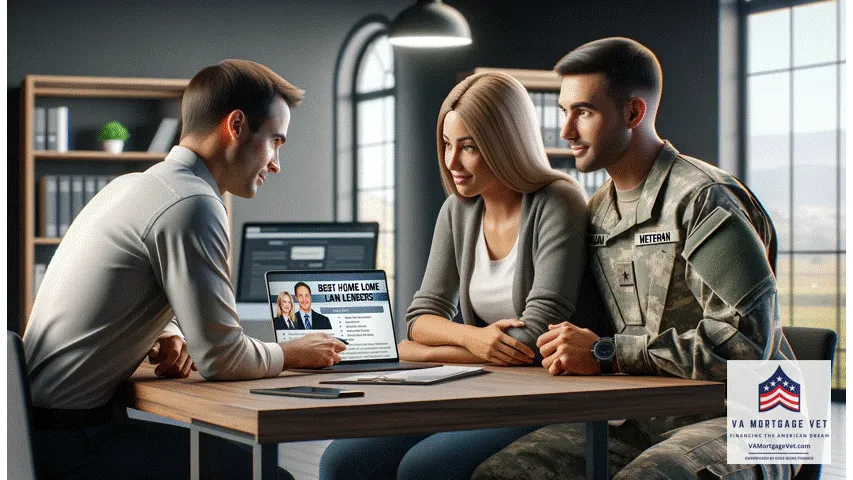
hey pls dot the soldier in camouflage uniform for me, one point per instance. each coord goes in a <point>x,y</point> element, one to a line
<point>682,254</point>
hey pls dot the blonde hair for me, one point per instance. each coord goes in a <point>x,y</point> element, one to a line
<point>501,118</point>
<point>292,314</point>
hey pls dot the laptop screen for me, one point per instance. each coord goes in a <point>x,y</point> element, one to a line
<point>350,305</point>
<point>301,246</point>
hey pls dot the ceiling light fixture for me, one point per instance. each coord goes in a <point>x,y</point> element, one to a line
<point>429,24</point>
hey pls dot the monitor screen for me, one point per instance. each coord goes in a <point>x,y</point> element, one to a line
<point>301,246</point>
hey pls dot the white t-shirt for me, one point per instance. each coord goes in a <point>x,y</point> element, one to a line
<point>491,282</point>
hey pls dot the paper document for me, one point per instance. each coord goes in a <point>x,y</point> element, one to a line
<point>425,376</point>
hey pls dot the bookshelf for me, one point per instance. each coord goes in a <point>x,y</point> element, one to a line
<point>34,164</point>
<point>549,82</point>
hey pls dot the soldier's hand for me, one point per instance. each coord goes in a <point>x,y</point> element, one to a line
<point>566,348</point>
<point>169,353</point>
<point>315,350</point>
<point>491,344</point>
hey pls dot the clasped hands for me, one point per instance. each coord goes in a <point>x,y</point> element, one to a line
<point>565,348</point>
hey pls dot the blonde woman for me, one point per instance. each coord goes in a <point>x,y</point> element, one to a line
<point>285,319</point>
<point>508,246</point>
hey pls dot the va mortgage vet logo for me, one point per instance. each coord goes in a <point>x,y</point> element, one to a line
<point>778,412</point>
<point>779,391</point>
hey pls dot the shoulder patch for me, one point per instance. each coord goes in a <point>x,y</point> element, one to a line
<point>727,254</point>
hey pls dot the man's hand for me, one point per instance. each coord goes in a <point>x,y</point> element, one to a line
<point>491,344</point>
<point>170,355</point>
<point>315,350</point>
<point>566,348</point>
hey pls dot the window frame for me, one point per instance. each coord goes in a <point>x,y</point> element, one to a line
<point>745,8</point>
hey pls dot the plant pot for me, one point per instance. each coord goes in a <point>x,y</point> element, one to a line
<point>113,146</point>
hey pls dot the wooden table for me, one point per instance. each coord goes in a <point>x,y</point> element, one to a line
<point>508,396</point>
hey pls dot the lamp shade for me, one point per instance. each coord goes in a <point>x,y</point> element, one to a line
<point>429,24</point>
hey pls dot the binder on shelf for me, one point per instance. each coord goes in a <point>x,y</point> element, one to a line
<point>165,136</point>
<point>550,133</point>
<point>102,181</point>
<point>49,208</point>
<point>536,98</point>
<point>89,190</point>
<point>64,204</point>
<point>38,276</point>
<point>61,129</point>
<point>39,128</point>
<point>77,198</point>
<point>50,138</point>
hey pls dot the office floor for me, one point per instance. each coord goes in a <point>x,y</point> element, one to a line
<point>302,459</point>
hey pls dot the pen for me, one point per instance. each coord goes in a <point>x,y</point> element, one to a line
<point>342,340</point>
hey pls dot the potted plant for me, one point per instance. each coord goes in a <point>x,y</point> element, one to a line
<point>113,134</point>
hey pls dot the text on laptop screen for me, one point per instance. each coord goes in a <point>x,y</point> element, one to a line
<point>301,246</point>
<point>353,306</point>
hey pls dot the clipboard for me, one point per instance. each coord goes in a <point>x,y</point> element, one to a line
<point>425,376</point>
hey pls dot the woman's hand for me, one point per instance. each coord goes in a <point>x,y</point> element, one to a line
<point>491,344</point>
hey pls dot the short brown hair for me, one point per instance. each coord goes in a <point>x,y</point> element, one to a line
<point>628,66</point>
<point>218,90</point>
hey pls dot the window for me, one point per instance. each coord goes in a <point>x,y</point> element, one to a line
<point>794,69</point>
<point>365,140</point>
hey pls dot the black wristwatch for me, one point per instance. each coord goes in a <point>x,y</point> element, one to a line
<point>604,349</point>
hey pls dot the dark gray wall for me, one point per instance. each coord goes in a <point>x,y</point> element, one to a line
<point>301,38</point>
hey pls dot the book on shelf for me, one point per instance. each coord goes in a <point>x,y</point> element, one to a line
<point>165,136</point>
<point>89,190</point>
<point>77,198</point>
<point>50,133</point>
<point>61,129</point>
<point>102,181</point>
<point>536,98</point>
<point>550,132</point>
<point>57,129</point>
<point>39,128</point>
<point>64,204</point>
<point>62,198</point>
<point>49,208</point>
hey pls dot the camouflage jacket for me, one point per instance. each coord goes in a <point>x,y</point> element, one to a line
<point>686,278</point>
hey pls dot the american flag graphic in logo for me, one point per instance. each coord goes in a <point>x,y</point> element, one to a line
<point>779,390</point>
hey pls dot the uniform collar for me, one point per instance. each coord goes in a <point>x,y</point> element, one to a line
<point>606,211</point>
<point>654,181</point>
<point>196,165</point>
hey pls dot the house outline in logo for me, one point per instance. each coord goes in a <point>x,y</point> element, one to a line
<point>779,391</point>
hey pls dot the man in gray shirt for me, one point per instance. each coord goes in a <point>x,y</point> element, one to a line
<point>146,264</point>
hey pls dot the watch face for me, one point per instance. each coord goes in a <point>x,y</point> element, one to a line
<point>604,350</point>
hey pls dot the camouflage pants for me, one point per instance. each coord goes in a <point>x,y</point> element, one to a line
<point>696,451</point>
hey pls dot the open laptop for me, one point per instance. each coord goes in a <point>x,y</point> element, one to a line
<point>351,305</point>
<point>295,246</point>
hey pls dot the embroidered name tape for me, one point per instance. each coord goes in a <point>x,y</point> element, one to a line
<point>654,238</point>
<point>597,240</point>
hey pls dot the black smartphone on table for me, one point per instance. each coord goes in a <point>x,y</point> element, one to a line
<point>309,392</point>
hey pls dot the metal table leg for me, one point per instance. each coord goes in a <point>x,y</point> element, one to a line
<point>596,451</point>
<point>264,456</point>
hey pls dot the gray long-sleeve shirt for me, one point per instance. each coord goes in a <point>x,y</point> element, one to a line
<point>550,263</point>
<point>149,247</point>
